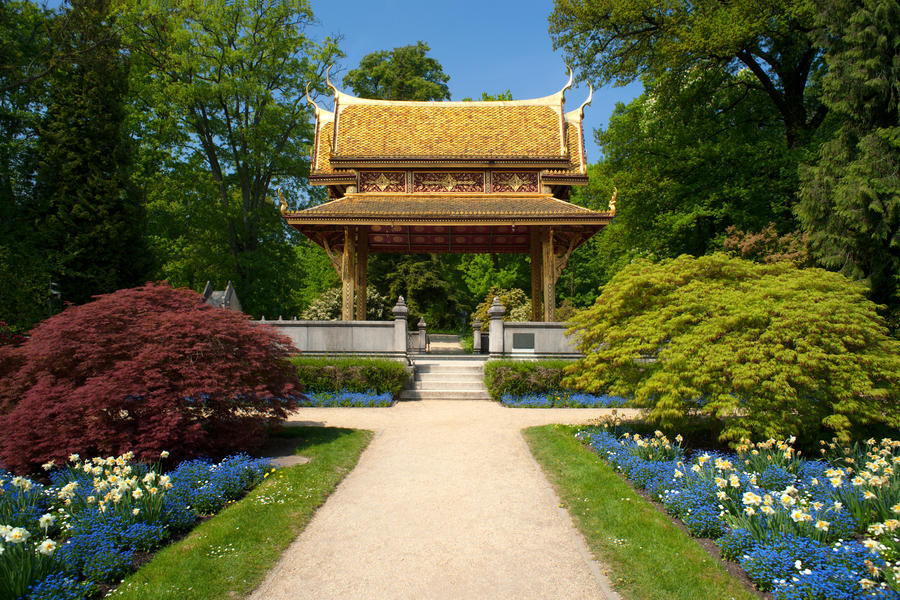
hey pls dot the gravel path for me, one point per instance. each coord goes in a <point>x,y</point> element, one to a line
<point>446,502</point>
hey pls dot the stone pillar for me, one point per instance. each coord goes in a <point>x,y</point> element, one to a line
<point>476,337</point>
<point>548,269</point>
<point>362,263</point>
<point>401,312</point>
<point>423,335</point>
<point>348,274</point>
<point>495,339</point>
<point>537,277</point>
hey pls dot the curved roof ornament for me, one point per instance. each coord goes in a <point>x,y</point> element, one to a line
<point>586,102</point>
<point>310,101</point>
<point>328,80</point>
<point>568,85</point>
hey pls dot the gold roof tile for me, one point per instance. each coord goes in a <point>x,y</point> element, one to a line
<point>408,207</point>
<point>412,130</point>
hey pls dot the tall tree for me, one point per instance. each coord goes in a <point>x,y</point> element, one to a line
<point>24,31</point>
<point>851,196</point>
<point>616,40</point>
<point>223,89</point>
<point>404,73</point>
<point>91,217</point>
<point>692,156</point>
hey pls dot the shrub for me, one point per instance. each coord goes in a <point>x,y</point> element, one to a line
<point>149,369</point>
<point>359,375</point>
<point>515,301</point>
<point>327,307</point>
<point>766,349</point>
<point>523,377</point>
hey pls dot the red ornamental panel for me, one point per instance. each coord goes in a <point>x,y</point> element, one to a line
<point>444,181</point>
<point>382,181</point>
<point>514,181</point>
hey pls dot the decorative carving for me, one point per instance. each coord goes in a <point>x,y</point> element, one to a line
<point>284,205</point>
<point>382,181</point>
<point>448,182</point>
<point>612,201</point>
<point>514,182</point>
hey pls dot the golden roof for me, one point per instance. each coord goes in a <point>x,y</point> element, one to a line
<point>410,208</point>
<point>366,132</point>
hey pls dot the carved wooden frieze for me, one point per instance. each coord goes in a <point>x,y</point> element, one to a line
<point>448,181</point>
<point>514,181</point>
<point>382,181</point>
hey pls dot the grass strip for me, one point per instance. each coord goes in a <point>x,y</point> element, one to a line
<point>228,556</point>
<point>647,555</point>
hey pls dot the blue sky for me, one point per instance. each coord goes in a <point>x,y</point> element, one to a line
<point>484,46</point>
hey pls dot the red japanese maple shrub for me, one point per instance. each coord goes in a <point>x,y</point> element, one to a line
<point>145,369</point>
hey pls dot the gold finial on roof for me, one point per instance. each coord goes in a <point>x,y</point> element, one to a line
<point>612,201</point>
<point>284,206</point>
<point>568,85</point>
<point>328,80</point>
<point>309,100</point>
<point>586,102</point>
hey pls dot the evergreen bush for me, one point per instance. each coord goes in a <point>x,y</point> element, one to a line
<point>357,375</point>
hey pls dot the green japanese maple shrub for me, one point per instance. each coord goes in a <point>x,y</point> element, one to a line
<point>763,349</point>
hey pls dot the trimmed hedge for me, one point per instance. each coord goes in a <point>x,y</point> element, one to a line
<point>328,374</point>
<point>524,377</point>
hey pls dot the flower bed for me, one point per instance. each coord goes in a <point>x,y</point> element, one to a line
<point>345,398</point>
<point>824,529</point>
<point>64,539</point>
<point>562,399</point>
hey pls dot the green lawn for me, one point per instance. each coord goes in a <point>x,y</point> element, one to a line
<point>229,555</point>
<point>647,555</point>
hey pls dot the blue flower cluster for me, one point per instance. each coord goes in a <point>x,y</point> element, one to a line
<point>562,399</point>
<point>58,541</point>
<point>345,398</point>
<point>787,522</point>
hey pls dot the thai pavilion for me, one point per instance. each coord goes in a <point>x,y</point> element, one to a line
<point>436,177</point>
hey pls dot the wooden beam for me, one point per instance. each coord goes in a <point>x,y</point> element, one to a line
<point>362,263</point>
<point>536,275</point>
<point>348,272</point>
<point>548,268</point>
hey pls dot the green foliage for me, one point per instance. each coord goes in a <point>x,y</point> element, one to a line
<point>851,195</point>
<point>92,217</point>
<point>691,157</point>
<point>522,377</point>
<point>614,40</point>
<point>515,301</point>
<point>361,375</point>
<point>766,349</point>
<point>224,124</point>
<point>404,73</point>
<point>327,307</point>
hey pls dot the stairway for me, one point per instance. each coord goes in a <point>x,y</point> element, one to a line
<point>448,377</point>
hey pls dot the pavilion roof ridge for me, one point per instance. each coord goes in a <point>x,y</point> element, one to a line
<point>555,100</point>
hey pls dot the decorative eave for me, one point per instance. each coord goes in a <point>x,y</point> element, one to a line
<point>450,209</point>
<point>449,161</point>
<point>565,178</point>
<point>332,178</point>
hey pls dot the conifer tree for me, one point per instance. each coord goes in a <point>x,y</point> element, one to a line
<point>89,215</point>
<point>850,199</point>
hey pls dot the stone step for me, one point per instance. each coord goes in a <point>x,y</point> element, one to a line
<point>449,384</point>
<point>443,395</point>
<point>441,376</point>
<point>432,368</point>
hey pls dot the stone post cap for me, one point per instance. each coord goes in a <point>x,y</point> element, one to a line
<point>496,311</point>
<point>400,310</point>
<point>421,324</point>
<point>476,325</point>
